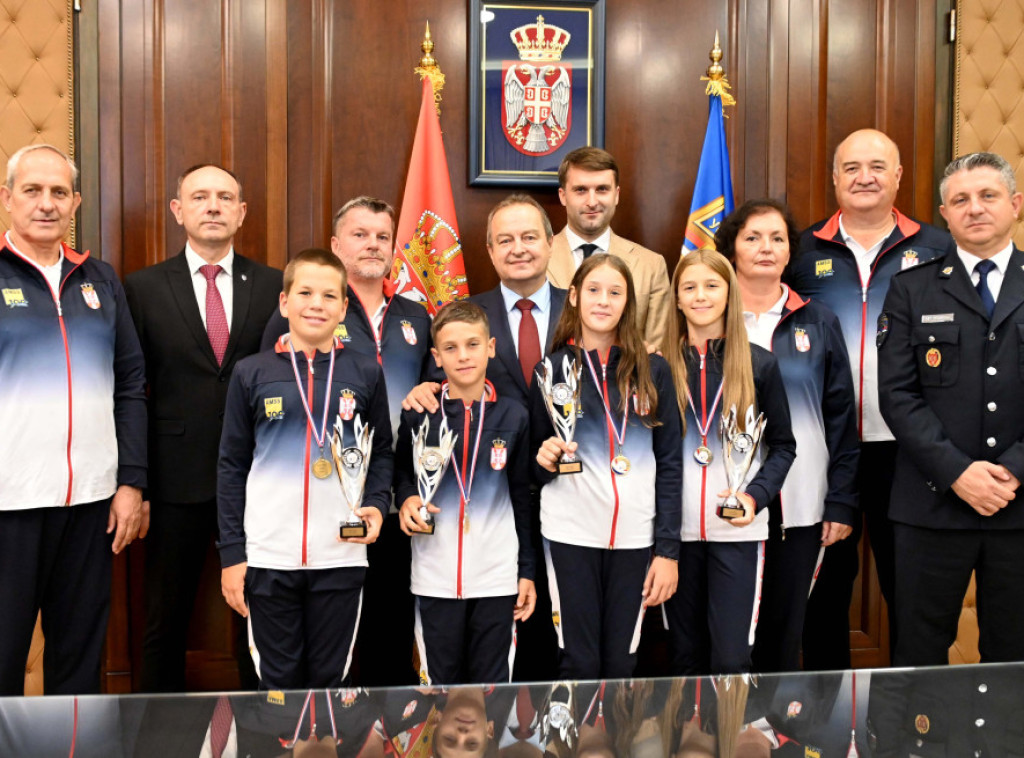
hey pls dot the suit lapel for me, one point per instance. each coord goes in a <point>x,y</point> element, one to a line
<point>179,281</point>
<point>561,267</point>
<point>557,304</point>
<point>1011,291</point>
<point>505,346</point>
<point>958,285</point>
<point>241,294</point>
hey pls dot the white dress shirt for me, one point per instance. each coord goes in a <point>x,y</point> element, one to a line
<point>223,280</point>
<point>575,241</point>
<point>50,273</point>
<point>761,328</point>
<point>995,276</point>
<point>865,256</point>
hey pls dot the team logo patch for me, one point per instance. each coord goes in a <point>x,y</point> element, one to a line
<point>90,296</point>
<point>641,410</point>
<point>803,342</point>
<point>409,333</point>
<point>275,697</point>
<point>910,259</point>
<point>793,709</point>
<point>348,696</point>
<point>410,707</point>
<point>274,408</point>
<point>812,752</point>
<point>13,298</point>
<point>933,357</point>
<point>341,332</point>
<point>347,405</point>
<point>883,329</point>
<point>823,268</point>
<point>499,454</point>
<point>922,724</point>
<point>556,619</point>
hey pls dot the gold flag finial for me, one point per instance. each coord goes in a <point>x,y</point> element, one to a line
<point>428,68</point>
<point>717,83</point>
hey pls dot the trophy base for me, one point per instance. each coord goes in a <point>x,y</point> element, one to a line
<point>429,529</point>
<point>349,529</point>
<point>570,467</point>
<point>730,512</point>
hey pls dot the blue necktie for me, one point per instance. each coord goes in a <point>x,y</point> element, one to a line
<point>983,268</point>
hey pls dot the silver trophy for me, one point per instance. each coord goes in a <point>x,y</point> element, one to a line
<point>430,463</point>
<point>563,403</point>
<point>739,451</point>
<point>558,715</point>
<point>352,463</point>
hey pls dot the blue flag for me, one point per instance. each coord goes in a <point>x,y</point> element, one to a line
<point>712,192</point>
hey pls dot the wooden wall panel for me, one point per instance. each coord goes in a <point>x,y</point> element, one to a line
<point>312,103</point>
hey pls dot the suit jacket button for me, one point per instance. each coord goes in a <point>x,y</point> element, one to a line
<point>991,407</point>
<point>991,371</point>
<point>991,442</point>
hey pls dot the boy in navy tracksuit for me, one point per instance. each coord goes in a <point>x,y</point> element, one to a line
<point>279,499</point>
<point>473,577</point>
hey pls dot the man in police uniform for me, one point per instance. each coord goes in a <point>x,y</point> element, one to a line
<point>951,378</point>
<point>846,262</point>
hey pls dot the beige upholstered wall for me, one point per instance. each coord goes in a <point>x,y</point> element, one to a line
<point>989,87</point>
<point>36,78</point>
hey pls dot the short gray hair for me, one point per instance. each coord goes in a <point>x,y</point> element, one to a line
<point>519,198</point>
<point>15,160</point>
<point>979,160</point>
<point>372,204</point>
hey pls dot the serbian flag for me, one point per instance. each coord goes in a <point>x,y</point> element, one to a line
<point>428,264</point>
<point>712,192</point>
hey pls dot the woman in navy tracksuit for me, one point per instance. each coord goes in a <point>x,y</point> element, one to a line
<point>599,525</point>
<point>818,503</point>
<point>713,615</point>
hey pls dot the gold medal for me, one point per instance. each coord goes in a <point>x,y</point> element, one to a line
<point>322,468</point>
<point>465,524</point>
<point>621,464</point>
<point>703,455</point>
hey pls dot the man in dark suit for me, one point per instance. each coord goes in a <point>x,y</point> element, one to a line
<point>197,314</point>
<point>951,380</point>
<point>523,311</point>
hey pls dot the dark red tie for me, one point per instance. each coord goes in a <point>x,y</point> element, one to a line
<point>529,340</point>
<point>216,321</point>
<point>220,726</point>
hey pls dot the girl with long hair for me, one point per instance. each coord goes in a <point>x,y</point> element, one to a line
<point>713,615</point>
<point>599,525</point>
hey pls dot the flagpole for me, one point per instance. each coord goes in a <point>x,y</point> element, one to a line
<point>428,68</point>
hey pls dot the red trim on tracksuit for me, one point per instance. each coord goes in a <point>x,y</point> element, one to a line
<point>305,469</point>
<point>389,288</point>
<point>466,408</point>
<point>611,444</point>
<point>704,440</point>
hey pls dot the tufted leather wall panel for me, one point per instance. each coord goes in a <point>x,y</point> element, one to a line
<point>989,87</point>
<point>36,78</point>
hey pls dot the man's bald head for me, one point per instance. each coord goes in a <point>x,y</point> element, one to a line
<point>866,173</point>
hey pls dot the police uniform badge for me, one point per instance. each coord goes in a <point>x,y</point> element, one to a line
<point>14,298</point>
<point>922,724</point>
<point>408,332</point>
<point>341,332</point>
<point>347,405</point>
<point>910,259</point>
<point>499,454</point>
<point>803,342</point>
<point>823,268</point>
<point>90,296</point>
<point>933,357</point>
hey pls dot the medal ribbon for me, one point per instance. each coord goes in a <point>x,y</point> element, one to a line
<point>320,438</point>
<point>620,438</point>
<point>466,488</point>
<point>711,416</point>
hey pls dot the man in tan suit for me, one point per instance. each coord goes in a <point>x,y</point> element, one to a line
<point>589,189</point>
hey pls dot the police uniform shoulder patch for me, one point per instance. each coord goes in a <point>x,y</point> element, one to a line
<point>883,329</point>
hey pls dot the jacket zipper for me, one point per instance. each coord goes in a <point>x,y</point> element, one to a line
<point>704,423</point>
<point>305,469</point>
<point>67,363</point>
<point>611,446</point>
<point>466,417</point>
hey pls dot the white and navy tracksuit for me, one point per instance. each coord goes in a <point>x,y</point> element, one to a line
<point>713,614</point>
<point>465,576</point>
<point>303,587</point>
<point>73,414</point>
<point>822,483</point>
<point>598,526</point>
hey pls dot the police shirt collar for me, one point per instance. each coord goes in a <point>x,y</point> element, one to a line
<point>1001,259</point>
